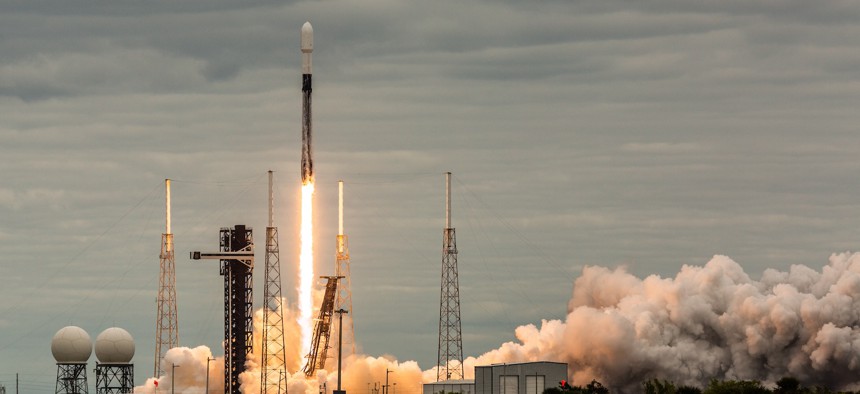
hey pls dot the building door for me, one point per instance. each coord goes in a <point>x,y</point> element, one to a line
<point>535,384</point>
<point>509,384</point>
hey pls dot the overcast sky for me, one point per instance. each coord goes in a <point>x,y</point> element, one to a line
<point>644,134</point>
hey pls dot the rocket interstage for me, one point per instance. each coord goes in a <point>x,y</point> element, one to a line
<point>307,152</point>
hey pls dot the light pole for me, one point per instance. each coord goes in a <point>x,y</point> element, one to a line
<point>208,359</point>
<point>173,378</point>
<point>385,388</point>
<point>340,313</point>
<point>395,387</point>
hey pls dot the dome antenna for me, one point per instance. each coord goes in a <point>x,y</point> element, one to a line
<point>71,347</point>
<point>114,350</point>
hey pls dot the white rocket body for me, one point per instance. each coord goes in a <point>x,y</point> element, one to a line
<point>307,47</point>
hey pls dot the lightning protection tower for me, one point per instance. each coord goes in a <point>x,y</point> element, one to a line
<point>237,267</point>
<point>450,353</point>
<point>167,321</point>
<point>344,292</point>
<point>274,357</point>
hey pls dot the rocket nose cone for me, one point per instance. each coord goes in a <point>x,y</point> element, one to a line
<point>307,37</point>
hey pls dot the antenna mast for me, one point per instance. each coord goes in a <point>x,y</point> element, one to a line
<point>167,321</point>
<point>450,352</point>
<point>274,357</point>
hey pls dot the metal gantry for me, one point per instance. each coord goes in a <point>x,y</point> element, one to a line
<point>450,351</point>
<point>167,321</point>
<point>273,368</point>
<point>322,329</point>
<point>238,304</point>
<point>237,267</point>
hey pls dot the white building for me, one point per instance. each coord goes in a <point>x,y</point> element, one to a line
<point>519,378</point>
<point>516,378</point>
<point>450,386</point>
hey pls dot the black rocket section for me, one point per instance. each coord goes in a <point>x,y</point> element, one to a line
<point>307,158</point>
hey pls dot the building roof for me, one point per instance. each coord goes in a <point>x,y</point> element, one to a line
<point>522,363</point>
<point>464,381</point>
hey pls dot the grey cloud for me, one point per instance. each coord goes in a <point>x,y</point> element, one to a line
<point>92,73</point>
<point>646,134</point>
<point>128,7</point>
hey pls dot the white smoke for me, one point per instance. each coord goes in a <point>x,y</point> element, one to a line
<point>358,370</point>
<point>190,372</point>
<point>707,322</point>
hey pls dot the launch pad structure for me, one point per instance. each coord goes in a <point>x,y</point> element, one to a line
<point>322,330</point>
<point>237,267</point>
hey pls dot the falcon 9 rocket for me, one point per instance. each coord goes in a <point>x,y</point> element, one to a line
<point>307,49</point>
<point>306,253</point>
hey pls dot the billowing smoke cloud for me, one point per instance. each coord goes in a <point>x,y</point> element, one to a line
<point>190,372</point>
<point>707,322</point>
<point>360,373</point>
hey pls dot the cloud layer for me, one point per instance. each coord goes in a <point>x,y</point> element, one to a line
<point>650,135</point>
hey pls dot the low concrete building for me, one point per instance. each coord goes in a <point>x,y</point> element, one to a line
<point>519,378</point>
<point>515,378</point>
<point>450,386</point>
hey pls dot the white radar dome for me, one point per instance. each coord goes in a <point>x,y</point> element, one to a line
<point>114,345</point>
<point>71,345</point>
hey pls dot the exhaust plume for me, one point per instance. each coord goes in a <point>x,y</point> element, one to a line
<point>190,372</point>
<point>358,370</point>
<point>708,322</point>
<point>306,265</point>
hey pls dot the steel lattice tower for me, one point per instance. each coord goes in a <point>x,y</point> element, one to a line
<point>71,378</point>
<point>322,329</point>
<point>273,366</point>
<point>344,290</point>
<point>238,304</point>
<point>450,353</point>
<point>114,378</point>
<point>167,321</point>
<point>237,266</point>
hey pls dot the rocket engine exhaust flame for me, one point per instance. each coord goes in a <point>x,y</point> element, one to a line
<point>306,267</point>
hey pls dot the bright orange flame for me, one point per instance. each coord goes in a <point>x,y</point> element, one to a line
<point>306,266</point>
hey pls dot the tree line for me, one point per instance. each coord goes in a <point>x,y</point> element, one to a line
<point>786,385</point>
